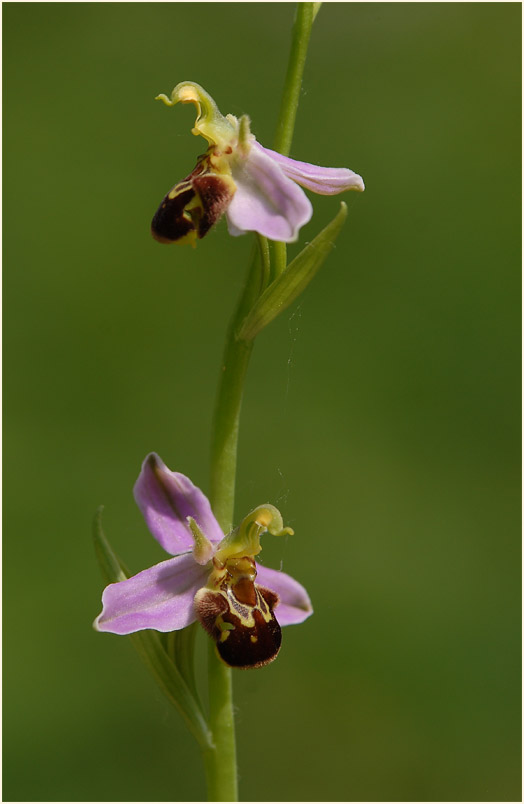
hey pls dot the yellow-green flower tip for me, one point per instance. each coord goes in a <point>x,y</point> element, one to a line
<point>245,540</point>
<point>210,123</point>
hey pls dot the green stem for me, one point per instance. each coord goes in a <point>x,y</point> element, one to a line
<point>229,399</point>
<point>279,258</point>
<point>306,13</point>
<point>263,246</point>
<point>220,761</point>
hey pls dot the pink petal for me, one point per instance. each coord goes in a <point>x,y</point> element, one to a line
<point>295,605</point>
<point>321,180</point>
<point>266,201</point>
<point>166,499</point>
<point>160,598</point>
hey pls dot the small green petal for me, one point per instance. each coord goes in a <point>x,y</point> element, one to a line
<point>203,549</point>
<point>244,134</point>
<point>293,280</point>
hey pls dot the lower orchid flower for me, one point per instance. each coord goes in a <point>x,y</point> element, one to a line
<point>211,578</point>
<point>255,187</point>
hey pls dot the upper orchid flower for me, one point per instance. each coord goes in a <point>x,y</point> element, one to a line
<point>211,577</point>
<point>255,187</point>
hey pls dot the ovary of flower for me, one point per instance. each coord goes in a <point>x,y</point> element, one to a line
<point>255,187</point>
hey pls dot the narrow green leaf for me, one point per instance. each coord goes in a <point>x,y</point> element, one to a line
<point>150,649</point>
<point>296,277</point>
<point>170,681</point>
<point>181,648</point>
<point>112,568</point>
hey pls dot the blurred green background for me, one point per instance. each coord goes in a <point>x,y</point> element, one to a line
<point>382,411</point>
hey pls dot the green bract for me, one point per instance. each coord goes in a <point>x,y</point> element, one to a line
<point>294,279</point>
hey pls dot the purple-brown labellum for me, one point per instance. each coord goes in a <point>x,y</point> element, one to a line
<point>239,617</point>
<point>192,206</point>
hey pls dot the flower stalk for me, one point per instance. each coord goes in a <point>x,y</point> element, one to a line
<point>229,397</point>
<point>220,762</point>
<point>305,15</point>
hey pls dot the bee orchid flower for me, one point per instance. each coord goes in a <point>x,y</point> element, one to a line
<point>257,188</point>
<point>211,577</point>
